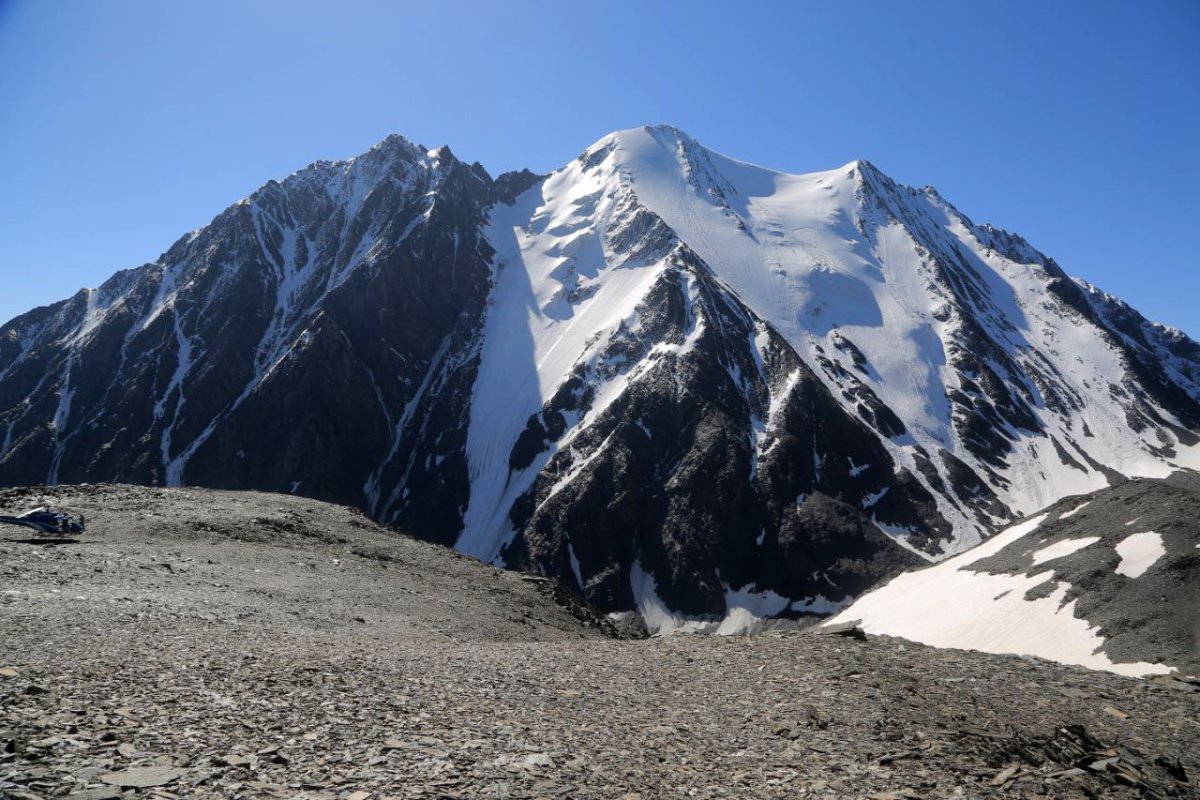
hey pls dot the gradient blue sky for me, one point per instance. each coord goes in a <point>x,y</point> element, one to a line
<point>1077,124</point>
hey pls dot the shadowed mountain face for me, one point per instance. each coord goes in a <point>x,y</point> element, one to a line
<point>681,383</point>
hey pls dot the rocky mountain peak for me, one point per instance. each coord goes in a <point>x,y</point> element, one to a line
<point>681,383</point>
<point>395,145</point>
<point>442,155</point>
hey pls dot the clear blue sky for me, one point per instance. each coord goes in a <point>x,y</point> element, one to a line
<point>1077,124</point>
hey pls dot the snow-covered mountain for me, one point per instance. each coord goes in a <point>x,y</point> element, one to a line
<point>682,383</point>
<point>1110,580</point>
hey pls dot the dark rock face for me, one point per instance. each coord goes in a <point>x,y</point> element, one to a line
<point>325,337</point>
<point>275,349</point>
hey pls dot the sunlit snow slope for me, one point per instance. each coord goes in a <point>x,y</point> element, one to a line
<point>952,320</point>
<point>1108,583</point>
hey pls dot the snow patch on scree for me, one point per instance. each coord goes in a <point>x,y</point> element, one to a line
<point>747,609</point>
<point>949,605</point>
<point>659,618</point>
<point>1064,548</point>
<point>1139,552</point>
<point>1074,510</point>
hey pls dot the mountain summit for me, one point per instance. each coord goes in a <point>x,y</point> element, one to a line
<point>683,384</point>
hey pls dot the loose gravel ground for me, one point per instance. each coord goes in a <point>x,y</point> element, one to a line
<point>207,644</point>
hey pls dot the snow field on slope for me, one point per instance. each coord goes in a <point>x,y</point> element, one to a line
<point>1088,362</point>
<point>790,247</point>
<point>1062,549</point>
<point>787,246</point>
<point>746,609</point>
<point>548,244</point>
<point>949,605</point>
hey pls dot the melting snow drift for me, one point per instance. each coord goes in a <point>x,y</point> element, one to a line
<point>1138,553</point>
<point>951,605</point>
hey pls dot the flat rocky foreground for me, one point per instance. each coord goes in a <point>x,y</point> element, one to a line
<point>202,644</point>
